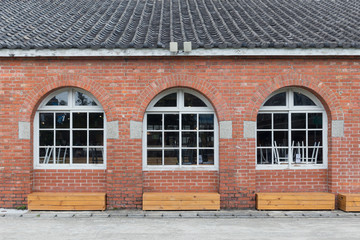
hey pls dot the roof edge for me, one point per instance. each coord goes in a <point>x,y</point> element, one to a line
<point>165,52</point>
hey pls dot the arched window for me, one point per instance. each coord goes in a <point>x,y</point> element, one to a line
<point>180,132</point>
<point>69,131</point>
<point>291,131</point>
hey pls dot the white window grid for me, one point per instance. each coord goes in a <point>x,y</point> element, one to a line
<point>290,108</point>
<point>70,108</point>
<point>180,109</point>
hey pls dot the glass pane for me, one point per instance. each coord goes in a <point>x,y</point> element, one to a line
<point>96,120</point>
<point>315,155</point>
<point>206,121</point>
<point>62,155</point>
<point>154,157</point>
<point>96,156</point>
<point>80,138</point>
<point>79,120</point>
<point>59,100</point>
<point>171,121</point>
<point>302,100</point>
<point>154,139</point>
<point>298,120</point>
<point>46,138</point>
<point>189,121</point>
<point>277,100</point>
<point>315,137</point>
<point>264,139</point>
<point>80,156</point>
<point>298,138</point>
<point>171,139</point>
<point>167,101</point>
<point>96,138</point>
<point>62,138</point>
<point>264,121</point>
<point>280,121</point>
<point>264,156</point>
<point>189,139</point>
<point>299,153</point>
<point>154,121</point>
<point>281,138</point>
<point>46,120</point>
<point>171,157</point>
<point>281,155</point>
<point>62,120</point>
<point>315,120</point>
<point>81,99</point>
<point>193,101</point>
<point>46,155</point>
<point>189,157</point>
<point>206,139</point>
<point>206,156</point>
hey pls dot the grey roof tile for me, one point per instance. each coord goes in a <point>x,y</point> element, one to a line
<point>56,24</point>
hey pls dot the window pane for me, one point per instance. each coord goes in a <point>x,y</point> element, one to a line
<point>62,138</point>
<point>154,157</point>
<point>46,155</point>
<point>81,99</point>
<point>171,121</point>
<point>189,157</point>
<point>62,120</point>
<point>299,153</point>
<point>277,100</point>
<point>264,156</point>
<point>46,120</point>
<point>189,121</point>
<point>315,120</point>
<point>96,156</point>
<point>171,157</point>
<point>302,100</point>
<point>80,156</point>
<point>62,155</point>
<point>79,120</point>
<point>298,138</point>
<point>206,156</point>
<point>189,139</point>
<point>154,121</point>
<point>206,121</point>
<point>154,139</point>
<point>96,138</point>
<point>206,139</point>
<point>281,155</point>
<point>315,137</point>
<point>59,100</point>
<point>192,101</point>
<point>264,121</point>
<point>46,138</point>
<point>167,101</point>
<point>298,120</point>
<point>280,121</point>
<point>96,120</point>
<point>171,139</point>
<point>315,155</point>
<point>264,139</point>
<point>281,138</point>
<point>80,138</point>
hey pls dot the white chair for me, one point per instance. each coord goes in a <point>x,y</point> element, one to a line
<point>48,154</point>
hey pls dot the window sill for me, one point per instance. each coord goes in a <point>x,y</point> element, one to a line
<point>290,167</point>
<point>80,166</point>
<point>180,168</point>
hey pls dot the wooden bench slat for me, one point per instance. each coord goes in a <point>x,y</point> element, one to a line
<point>203,207</point>
<point>65,203</point>
<point>180,196</point>
<point>68,208</point>
<point>182,203</point>
<point>349,202</point>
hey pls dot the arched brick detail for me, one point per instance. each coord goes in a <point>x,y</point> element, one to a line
<point>202,86</point>
<point>327,96</point>
<point>42,89</point>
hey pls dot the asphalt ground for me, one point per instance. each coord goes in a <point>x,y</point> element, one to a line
<point>153,225</point>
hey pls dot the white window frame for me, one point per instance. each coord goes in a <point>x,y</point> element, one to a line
<point>180,109</point>
<point>290,108</point>
<point>70,108</point>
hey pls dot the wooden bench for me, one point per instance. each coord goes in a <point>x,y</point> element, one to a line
<point>181,201</point>
<point>295,201</point>
<point>67,201</point>
<point>349,202</point>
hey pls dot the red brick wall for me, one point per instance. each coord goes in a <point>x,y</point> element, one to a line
<point>235,86</point>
